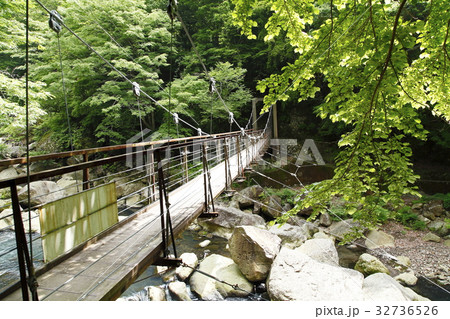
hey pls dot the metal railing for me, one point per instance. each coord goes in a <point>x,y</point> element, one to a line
<point>144,174</point>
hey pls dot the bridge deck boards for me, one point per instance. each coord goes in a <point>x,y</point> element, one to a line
<point>104,269</point>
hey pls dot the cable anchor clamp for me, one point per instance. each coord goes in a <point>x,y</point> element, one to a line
<point>212,85</point>
<point>55,21</point>
<point>231,117</point>
<point>176,118</point>
<point>136,89</point>
<point>172,8</point>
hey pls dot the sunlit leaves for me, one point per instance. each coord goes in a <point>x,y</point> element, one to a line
<point>381,65</point>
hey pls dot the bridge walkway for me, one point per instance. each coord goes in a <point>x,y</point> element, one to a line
<point>109,264</point>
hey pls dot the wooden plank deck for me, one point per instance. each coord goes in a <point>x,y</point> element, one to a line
<point>104,269</point>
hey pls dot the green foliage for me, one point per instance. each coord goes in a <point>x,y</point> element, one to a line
<point>410,219</point>
<point>12,79</point>
<point>381,67</point>
<point>287,195</point>
<point>445,198</point>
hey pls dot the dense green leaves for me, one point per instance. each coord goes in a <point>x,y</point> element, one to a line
<point>381,62</point>
<point>12,79</point>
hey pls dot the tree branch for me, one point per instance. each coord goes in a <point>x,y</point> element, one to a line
<point>377,87</point>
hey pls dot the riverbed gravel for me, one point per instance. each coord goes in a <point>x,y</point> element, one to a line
<point>429,259</point>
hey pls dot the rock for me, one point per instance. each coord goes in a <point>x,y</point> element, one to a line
<point>8,173</point>
<point>228,219</point>
<point>248,196</point>
<point>413,296</point>
<point>407,278</point>
<point>368,265</point>
<point>429,215</point>
<point>167,274</point>
<point>447,242</point>
<point>423,219</point>
<point>204,243</point>
<point>431,237</point>
<point>325,220</point>
<point>309,228</point>
<point>321,250</point>
<point>123,188</point>
<point>256,208</point>
<point>340,229</point>
<point>349,255</point>
<point>224,269</point>
<point>7,219</point>
<point>253,250</point>
<point>291,236</point>
<point>404,261</point>
<point>178,291</point>
<point>377,238</point>
<point>156,293</point>
<point>322,235</point>
<point>287,207</point>
<point>382,287</point>
<point>439,227</point>
<point>4,204</point>
<point>272,207</point>
<point>70,185</point>
<point>189,259</point>
<point>133,200</point>
<point>296,276</point>
<point>41,192</point>
<point>436,207</point>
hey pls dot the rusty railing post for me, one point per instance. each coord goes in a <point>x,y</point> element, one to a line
<point>166,223</point>
<point>23,255</point>
<point>85,172</point>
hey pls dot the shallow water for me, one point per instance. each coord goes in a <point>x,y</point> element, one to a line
<point>187,242</point>
<point>9,266</point>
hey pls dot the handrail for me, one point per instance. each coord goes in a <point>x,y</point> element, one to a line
<point>88,164</point>
<point>37,158</point>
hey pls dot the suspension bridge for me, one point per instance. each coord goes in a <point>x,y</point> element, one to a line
<point>182,178</point>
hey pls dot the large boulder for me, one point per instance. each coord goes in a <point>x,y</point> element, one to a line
<point>321,250</point>
<point>253,250</point>
<point>272,207</point>
<point>7,219</point>
<point>248,196</point>
<point>431,237</point>
<point>382,287</point>
<point>8,173</point>
<point>290,235</point>
<point>343,227</point>
<point>368,265</point>
<point>69,185</point>
<point>228,219</point>
<point>407,278</point>
<point>325,220</point>
<point>296,276</point>
<point>439,227</point>
<point>377,238</point>
<point>309,228</point>
<point>41,192</point>
<point>224,269</point>
<point>178,291</point>
<point>156,293</point>
<point>189,259</point>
